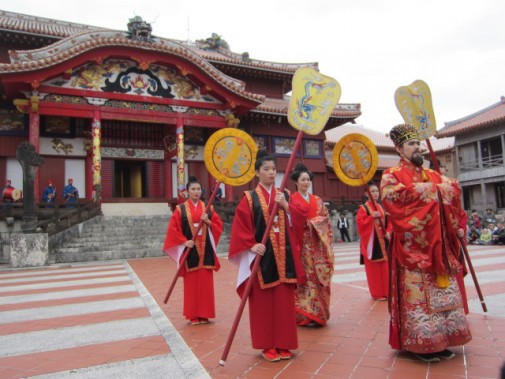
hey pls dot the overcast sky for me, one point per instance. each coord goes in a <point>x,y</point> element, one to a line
<point>371,47</point>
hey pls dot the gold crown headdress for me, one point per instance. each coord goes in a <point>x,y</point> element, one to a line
<point>402,133</point>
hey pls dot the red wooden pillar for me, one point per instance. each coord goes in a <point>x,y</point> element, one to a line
<point>181,180</point>
<point>34,139</point>
<point>88,175</point>
<point>167,168</point>
<point>96,172</point>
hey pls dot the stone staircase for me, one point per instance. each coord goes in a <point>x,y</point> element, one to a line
<point>121,237</point>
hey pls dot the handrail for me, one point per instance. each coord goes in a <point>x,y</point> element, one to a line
<point>54,219</point>
<point>487,162</point>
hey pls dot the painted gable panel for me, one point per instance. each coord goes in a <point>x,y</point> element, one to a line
<point>124,77</point>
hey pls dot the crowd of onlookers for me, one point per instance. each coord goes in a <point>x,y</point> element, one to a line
<point>487,229</point>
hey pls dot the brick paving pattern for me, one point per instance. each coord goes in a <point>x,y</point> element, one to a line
<point>107,319</point>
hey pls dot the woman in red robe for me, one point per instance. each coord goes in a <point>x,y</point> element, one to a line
<point>271,300</point>
<point>311,223</point>
<point>370,220</point>
<point>202,260</point>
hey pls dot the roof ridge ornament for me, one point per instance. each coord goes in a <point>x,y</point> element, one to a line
<point>139,30</point>
<point>214,42</point>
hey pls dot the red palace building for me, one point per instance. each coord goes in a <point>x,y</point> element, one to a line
<point>126,114</point>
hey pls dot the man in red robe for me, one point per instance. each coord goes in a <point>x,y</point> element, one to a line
<point>271,300</point>
<point>426,304</point>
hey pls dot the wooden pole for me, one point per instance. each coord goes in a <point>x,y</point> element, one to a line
<point>461,242</point>
<point>257,259</point>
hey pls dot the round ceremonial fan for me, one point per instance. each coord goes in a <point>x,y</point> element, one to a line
<point>229,156</point>
<point>355,159</point>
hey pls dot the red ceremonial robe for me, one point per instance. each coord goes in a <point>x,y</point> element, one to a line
<point>426,302</point>
<point>373,248</point>
<point>311,224</point>
<point>271,300</point>
<point>202,260</point>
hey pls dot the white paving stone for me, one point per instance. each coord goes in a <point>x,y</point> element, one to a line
<point>18,299</point>
<point>70,310</point>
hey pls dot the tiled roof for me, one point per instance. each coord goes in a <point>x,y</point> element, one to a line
<point>490,116</point>
<point>229,57</point>
<point>21,23</point>
<point>65,49</point>
<point>441,144</point>
<point>280,107</point>
<point>378,138</point>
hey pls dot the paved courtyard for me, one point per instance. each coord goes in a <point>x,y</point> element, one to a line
<point>108,320</point>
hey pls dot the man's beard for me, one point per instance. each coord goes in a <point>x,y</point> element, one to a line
<point>417,159</point>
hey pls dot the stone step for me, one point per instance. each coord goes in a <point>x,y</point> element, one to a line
<point>116,238</point>
<point>147,220</point>
<point>161,228</point>
<point>107,255</point>
<point>122,237</point>
<point>126,245</point>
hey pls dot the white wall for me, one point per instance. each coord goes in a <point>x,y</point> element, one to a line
<point>14,173</point>
<point>76,169</point>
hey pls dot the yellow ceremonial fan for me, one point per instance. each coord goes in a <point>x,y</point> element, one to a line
<point>355,159</point>
<point>416,108</point>
<point>313,99</point>
<point>229,156</point>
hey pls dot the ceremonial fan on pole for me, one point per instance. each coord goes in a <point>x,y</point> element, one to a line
<point>355,162</point>
<point>260,243</point>
<point>415,105</point>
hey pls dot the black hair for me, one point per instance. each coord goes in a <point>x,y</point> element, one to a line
<point>262,156</point>
<point>298,170</point>
<point>372,184</point>
<point>192,179</point>
<point>432,164</point>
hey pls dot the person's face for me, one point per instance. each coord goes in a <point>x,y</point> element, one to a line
<point>303,182</point>
<point>70,182</point>
<point>195,191</point>
<point>411,150</point>
<point>374,191</point>
<point>266,173</point>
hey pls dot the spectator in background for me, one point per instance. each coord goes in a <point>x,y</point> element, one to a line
<point>70,194</point>
<point>49,195</point>
<point>443,169</point>
<point>476,219</point>
<point>485,237</point>
<point>473,235</point>
<point>343,226</point>
<point>488,218</point>
<point>499,234</point>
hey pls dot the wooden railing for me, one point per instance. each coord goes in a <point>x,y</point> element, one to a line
<point>487,162</point>
<point>52,220</point>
